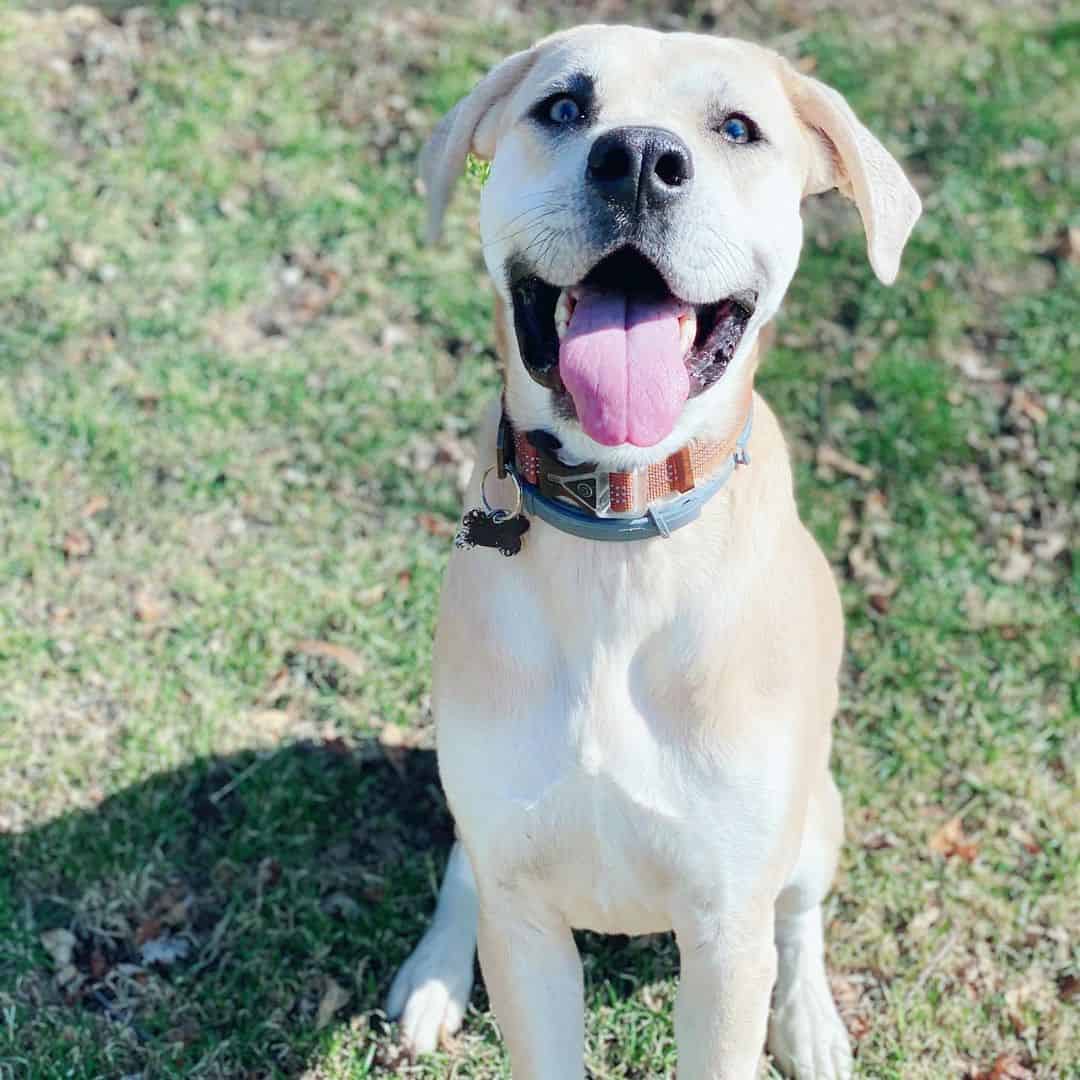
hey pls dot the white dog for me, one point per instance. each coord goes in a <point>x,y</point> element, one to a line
<point>634,735</point>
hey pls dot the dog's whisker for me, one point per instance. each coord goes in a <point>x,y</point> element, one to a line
<point>541,212</point>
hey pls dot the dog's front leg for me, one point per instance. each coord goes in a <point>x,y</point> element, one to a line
<point>728,967</point>
<point>533,975</point>
<point>431,991</point>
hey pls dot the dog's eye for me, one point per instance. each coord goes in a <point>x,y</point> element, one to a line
<point>564,110</point>
<point>740,129</point>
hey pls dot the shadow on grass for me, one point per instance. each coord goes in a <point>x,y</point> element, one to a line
<point>228,917</point>
<point>213,910</point>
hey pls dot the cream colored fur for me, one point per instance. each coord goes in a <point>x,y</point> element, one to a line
<point>635,737</point>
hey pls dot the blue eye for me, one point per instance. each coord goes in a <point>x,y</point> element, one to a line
<point>736,129</point>
<point>564,110</point>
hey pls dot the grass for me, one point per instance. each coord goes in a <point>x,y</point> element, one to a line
<point>237,401</point>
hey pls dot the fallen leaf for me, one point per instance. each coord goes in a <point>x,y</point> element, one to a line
<point>858,1026</point>
<point>1068,987</point>
<point>1005,1067</point>
<point>449,1043</point>
<point>881,601</point>
<point>919,927</point>
<point>971,363</point>
<point>435,525</point>
<point>187,1031</point>
<point>1026,840</point>
<point>165,950</point>
<point>95,505</point>
<point>173,903</point>
<point>148,607</point>
<point>86,257</point>
<point>274,723</point>
<point>1024,402</point>
<point>269,873</point>
<point>391,1057</point>
<point>393,736</point>
<point>333,1001</point>
<point>864,567</point>
<point>340,904</point>
<point>77,544</point>
<point>1015,568</point>
<point>60,615</point>
<point>1068,244</point>
<point>60,945</point>
<point>1051,546</point>
<point>330,650</point>
<point>370,597</point>
<point>879,840</point>
<point>277,688</point>
<point>396,742</point>
<point>848,998</point>
<point>1028,152</point>
<point>828,457</point>
<point>147,930</point>
<point>867,571</point>
<point>99,966</point>
<point>950,840</point>
<point>393,336</point>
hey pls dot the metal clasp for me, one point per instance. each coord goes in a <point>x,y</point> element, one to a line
<point>497,513</point>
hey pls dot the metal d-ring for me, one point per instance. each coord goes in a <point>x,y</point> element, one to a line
<point>498,515</point>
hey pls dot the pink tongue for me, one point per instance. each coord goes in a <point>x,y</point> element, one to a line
<point>622,364</point>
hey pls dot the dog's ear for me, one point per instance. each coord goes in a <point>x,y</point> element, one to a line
<point>847,157</point>
<point>471,125</point>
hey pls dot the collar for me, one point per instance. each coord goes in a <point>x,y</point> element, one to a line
<point>598,505</point>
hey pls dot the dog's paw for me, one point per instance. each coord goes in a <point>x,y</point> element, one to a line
<point>807,1038</point>
<point>431,991</point>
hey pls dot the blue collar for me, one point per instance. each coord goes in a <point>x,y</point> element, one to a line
<point>660,519</point>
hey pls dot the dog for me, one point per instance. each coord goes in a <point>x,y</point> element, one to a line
<point>634,699</point>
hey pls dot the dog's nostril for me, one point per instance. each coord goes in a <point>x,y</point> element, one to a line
<point>639,168</point>
<point>611,163</point>
<point>673,168</point>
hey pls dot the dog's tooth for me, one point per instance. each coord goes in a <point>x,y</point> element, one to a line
<point>562,314</point>
<point>687,331</point>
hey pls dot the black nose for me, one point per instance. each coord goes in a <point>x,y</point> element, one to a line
<point>638,168</point>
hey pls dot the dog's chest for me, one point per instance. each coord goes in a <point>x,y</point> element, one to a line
<point>601,810</point>
<point>587,783</point>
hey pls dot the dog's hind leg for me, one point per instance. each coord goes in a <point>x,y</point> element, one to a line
<point>806,1035</point>
<point>431,990</point>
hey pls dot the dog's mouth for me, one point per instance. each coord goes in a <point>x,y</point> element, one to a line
<point>620,349</point>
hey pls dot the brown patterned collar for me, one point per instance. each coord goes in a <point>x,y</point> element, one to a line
<point>618,505</point>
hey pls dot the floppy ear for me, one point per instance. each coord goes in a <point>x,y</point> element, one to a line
<point>472,124</point>
<point>849,158</point>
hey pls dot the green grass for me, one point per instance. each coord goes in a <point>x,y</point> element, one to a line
<point>236,404</point>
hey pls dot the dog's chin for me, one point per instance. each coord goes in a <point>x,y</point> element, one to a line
<point>711,332</point>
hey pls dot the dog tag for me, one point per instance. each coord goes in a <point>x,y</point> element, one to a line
<point>492,529</point>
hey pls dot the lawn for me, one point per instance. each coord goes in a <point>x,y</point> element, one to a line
<point>235,413</point>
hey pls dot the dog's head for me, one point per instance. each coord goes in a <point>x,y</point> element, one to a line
<point>641,222</point>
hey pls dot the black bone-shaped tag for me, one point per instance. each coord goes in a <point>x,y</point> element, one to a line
<point>496,530</point>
